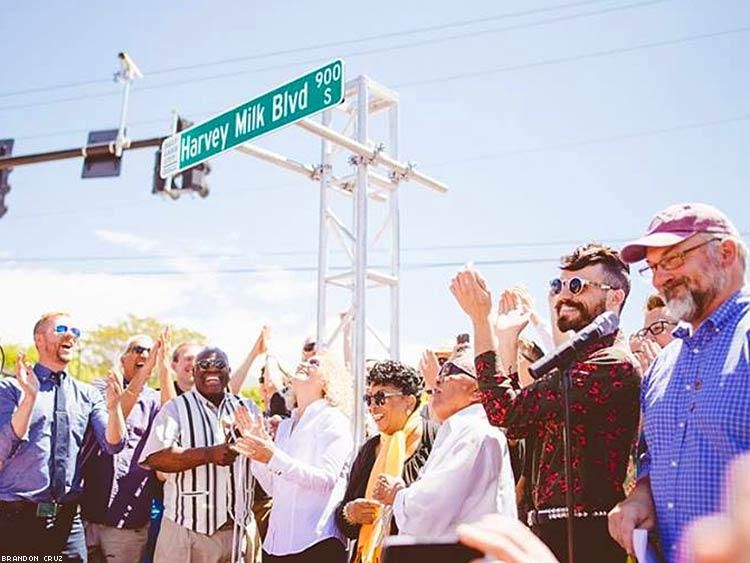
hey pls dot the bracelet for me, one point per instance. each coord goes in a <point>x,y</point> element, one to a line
<point>129,389</point>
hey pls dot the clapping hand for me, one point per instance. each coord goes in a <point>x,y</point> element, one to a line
<point>471,292</point>
<point>115,390</point>
<point>255,441</point>
<point>513,315</point>
<point>386,488</point>
<point>429,368</point>
<point>26,378</point>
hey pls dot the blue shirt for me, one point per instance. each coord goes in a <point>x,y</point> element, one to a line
<point>25,461</point>
<point>696,417</point>
<point>117,491</point>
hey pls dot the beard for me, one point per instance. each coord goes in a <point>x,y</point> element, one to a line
<point>692,302</point>
<point>584,317</point>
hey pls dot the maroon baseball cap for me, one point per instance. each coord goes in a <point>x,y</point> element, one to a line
<point>675,224</point>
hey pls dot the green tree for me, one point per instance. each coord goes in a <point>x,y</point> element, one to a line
<point>101,348</point>
<point>11,353</point>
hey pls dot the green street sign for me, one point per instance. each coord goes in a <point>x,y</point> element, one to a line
<point>307,95</point>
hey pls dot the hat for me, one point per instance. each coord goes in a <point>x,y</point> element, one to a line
<point>463,359</point>
<point>675,224</point>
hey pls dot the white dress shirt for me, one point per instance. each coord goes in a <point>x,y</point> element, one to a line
<point>467,475</point>
<point>306,477</point>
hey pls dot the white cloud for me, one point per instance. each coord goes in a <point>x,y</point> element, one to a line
<point>92,299</point>
<point>128,240</point>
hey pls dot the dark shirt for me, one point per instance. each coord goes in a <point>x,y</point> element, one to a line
<point>604,402</point>
<point>356,486</point>
<point>117,492</point>
<point>25,460</point>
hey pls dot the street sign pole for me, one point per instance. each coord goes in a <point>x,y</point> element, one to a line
<point>305,96</point>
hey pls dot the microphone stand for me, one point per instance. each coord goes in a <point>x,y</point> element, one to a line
<point>565,383</point>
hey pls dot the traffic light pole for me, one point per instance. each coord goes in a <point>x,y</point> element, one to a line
<point>91,150</point>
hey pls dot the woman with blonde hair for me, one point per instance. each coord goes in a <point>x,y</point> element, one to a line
<point>301,466</point>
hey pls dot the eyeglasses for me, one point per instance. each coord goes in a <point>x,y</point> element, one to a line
<point>62,329</point>
<point>575,285</point>
<point>211,363</point>
<point>672,262</point>
<point>379,398</point>
<point>655,328</point>
<point>138,350</point>
<point>451,369</point>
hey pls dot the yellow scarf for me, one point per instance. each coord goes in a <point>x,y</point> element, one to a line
<point>395,449</point>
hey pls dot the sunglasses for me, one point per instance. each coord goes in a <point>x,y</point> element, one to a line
<point>575,285</point>
<point>211,363</point>
<point>309,347</point>
<point>62,329</point>
<point>656,327</point>
<point>379,398</point>
<point>140,350</point>
<point>449,370</point>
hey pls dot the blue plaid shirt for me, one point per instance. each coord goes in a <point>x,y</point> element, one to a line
<point>696,417</point>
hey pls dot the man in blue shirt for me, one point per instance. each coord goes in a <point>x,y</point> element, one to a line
<point>117,492</point>
<point>44,415</point>
<point>695,399</point>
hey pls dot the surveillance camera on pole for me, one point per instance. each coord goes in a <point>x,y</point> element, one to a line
<point>129,71</point>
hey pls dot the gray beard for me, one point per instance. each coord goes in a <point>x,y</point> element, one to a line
<point>683,308</point>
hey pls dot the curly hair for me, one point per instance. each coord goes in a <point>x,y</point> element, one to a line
<point>337,386</point>
<point>616,272</point>
<point>401,376</point>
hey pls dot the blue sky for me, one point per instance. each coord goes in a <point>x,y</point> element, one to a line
<point>552,122</point>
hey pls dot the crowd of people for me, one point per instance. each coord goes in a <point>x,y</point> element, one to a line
<point>473,442</point>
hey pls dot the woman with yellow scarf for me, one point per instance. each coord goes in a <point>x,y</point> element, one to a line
<point>399,449</point>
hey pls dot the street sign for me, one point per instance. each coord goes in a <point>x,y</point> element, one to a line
<point>307,95</point>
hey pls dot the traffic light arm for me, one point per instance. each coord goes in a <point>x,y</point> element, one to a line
<point>92,150</point>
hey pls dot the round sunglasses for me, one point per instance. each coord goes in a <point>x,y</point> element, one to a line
<point>575,285</point>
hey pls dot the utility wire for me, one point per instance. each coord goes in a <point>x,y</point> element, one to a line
<point>221,255</point>
<point>233,74</point>
<point>497,70</point>
<point>326,45</point>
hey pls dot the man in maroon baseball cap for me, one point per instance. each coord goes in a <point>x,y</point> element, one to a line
<point>695,398</point>
<point>677,223</point>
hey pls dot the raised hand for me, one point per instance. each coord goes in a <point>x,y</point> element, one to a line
<point>261,343</point>
<point>513,315</point>
<point>429,368</point>
<point>471,292</point>
<point>26,378</point>
<point>115,390</point>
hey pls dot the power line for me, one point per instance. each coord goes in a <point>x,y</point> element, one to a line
<point>473,34</point>
<point>302,269</point>
<point>329,44</point>
<point>430,248</point>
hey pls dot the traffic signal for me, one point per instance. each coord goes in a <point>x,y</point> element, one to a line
<point>193,179</point>
<point>101,162</point>
<point>6,149</point>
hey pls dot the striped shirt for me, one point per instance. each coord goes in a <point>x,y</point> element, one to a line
<point>696,417</point>
<point>203,498</point>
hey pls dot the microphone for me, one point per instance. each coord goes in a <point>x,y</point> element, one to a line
<point>603,325</point>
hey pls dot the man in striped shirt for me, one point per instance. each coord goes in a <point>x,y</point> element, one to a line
<point>208,490</point>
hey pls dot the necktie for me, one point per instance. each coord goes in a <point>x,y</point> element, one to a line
<point>60,438</point>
